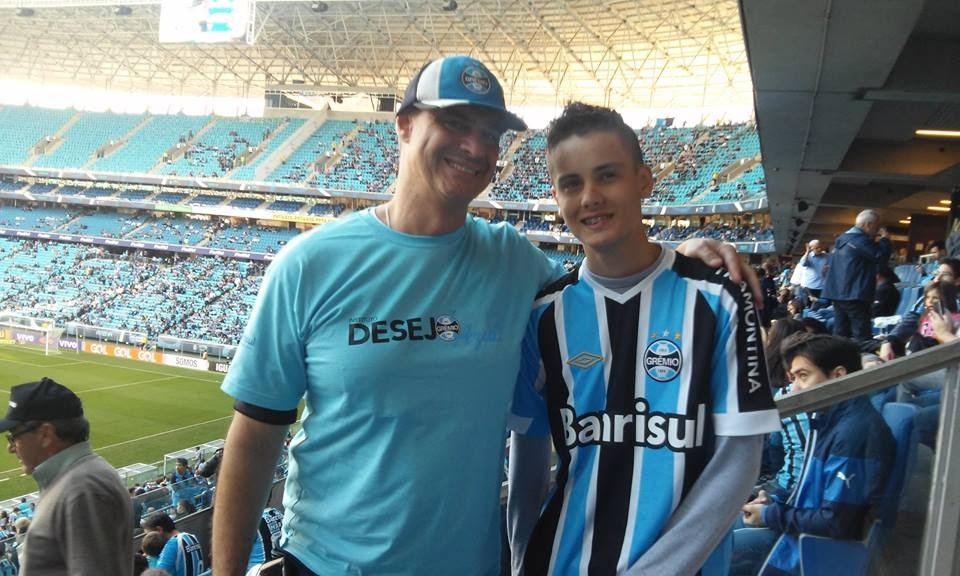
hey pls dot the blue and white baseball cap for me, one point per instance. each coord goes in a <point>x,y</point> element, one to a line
<point>458,81</point>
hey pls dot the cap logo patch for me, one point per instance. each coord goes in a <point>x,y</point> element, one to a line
<point>475,79</point>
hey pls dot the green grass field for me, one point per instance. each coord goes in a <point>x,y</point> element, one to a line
<point>138,411</point>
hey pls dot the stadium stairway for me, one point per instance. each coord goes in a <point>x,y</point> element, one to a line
<point>338,155</point>
<point>175,152</point>
<point>508,166</point>
<point>57,140</point>
<point>284,151</point>
<point>109,148</point>
<point>267,146</point>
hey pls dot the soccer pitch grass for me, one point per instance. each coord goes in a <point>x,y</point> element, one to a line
<point>138,411</point>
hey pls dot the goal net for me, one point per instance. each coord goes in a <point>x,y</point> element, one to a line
<point>23,330</point>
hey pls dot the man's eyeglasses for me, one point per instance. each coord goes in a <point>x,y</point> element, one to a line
<point>12,435</point>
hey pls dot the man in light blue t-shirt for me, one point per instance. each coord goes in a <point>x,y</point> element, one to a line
<point>400,329</point>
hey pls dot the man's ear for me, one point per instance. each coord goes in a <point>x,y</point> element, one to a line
<point>838,372</point>
<point>403,125</point>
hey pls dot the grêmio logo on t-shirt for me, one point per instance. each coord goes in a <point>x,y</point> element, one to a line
<point>444,326</point>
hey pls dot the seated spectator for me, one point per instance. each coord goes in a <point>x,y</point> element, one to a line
<point>151,546</point>
<point>181,554</point>
<point>271,524</point>
<point>783,455</point>
<point>887,298</point>
<point>850,452</point>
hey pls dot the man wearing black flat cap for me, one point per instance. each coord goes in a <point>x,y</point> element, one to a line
<point>83,519</point>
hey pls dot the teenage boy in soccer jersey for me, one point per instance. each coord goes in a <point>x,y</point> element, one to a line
<point>645,368</point>
<point>849,454</point>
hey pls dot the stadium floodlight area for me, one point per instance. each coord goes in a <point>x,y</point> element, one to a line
<point>25,330</point>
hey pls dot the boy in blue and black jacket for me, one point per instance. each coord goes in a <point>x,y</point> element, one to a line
<point>849,455</point>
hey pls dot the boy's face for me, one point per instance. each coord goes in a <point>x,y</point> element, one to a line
<point>598,187</point>
<point>805,374</point>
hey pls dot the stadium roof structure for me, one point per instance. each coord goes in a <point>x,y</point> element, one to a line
<point>623,53</point>
<point>841,87</point>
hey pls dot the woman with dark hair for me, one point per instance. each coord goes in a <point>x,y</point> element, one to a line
<point>779,330</point>
<point>783,452</point>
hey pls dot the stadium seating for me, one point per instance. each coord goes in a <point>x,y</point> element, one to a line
<point>206,200</point>
<point>91,132</point>
<point>250,238</point>
<point>369,161</point>
<point>104,224</point>
<point>285,206</point>
<point>33,218</point>
<point>221,147</point>
<point>247,171</point>
<point>529,177</point>
<point>22,128</point>
<point>248,203</point>
<point>134,195</point>
<point>299,166</point>
<point>174,230</point>
<point>323,209</point>
<point>146,147</point>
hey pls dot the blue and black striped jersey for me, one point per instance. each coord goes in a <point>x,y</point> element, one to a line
<point>633,387</point>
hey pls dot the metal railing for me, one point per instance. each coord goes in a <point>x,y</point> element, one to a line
<point>939,550</point>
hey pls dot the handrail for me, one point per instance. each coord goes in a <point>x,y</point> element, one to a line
<point>871,379</point>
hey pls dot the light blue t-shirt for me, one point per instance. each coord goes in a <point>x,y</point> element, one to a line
<point>406,350</point>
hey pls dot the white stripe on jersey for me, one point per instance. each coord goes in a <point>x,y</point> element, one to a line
<point>603,336</point>
<point>683,395</point>
<point>568,381</point>
<point>640,391</point>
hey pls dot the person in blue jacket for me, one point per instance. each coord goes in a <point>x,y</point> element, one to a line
<point>851,281</point>
<point>850,453</point>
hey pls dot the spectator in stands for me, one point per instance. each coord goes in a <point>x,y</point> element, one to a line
<point>7,567</point>
<point>783,455</point>
<point>140,564</point>
<point>83,519</point>
<point>887,298</point>
<point>152,546</point>
<point>852,275</point>
<point>270,527</point>
<point>181,554</point>
<point>628,287</point>
<point>896,343</point>
<point>936,250</point>
<point>181,471</point>
<point>813,270</point>
<point>795,308</point>
<point>417,286</point>
<point>850,453</point>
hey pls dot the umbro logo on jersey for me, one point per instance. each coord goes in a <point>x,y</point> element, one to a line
<point>584,360</point>
<point>662,360</point>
